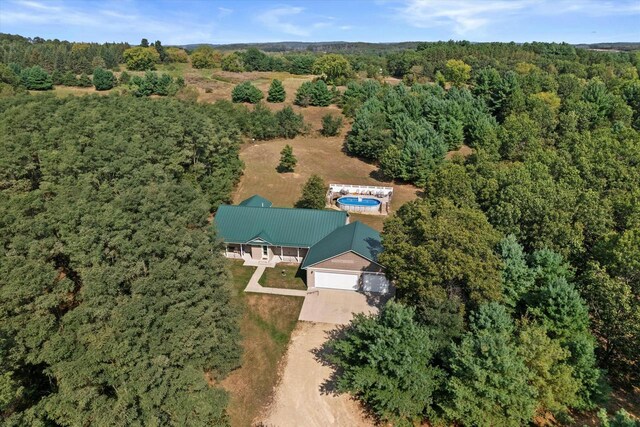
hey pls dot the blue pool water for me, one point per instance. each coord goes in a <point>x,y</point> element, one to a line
<point>358,201</point>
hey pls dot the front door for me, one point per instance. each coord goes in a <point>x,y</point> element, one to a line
<point>265,252</point>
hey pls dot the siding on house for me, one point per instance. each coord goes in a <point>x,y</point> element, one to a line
<point>349,261</point>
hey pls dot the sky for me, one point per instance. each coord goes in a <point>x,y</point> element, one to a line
<point>177,22</point>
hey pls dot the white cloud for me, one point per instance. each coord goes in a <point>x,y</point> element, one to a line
<point>224,11</point>
<point>292,20</point>
<point>469,16</point>
<point>276,20</point>
<point>112,21</point>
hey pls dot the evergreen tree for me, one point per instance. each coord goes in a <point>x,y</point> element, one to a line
<point>276,92</point>
<point>246,92</point>
<point>262,124</point>
<point>517,278</point>
<point>103,79</point>
<point>489,383</point>
<point>287,160</point>
<point>290,124</point>
<point>35,78</point>
<point>314,194</point>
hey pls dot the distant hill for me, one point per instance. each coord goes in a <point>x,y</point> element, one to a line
<point>337,46</point>
<point>365,47</point>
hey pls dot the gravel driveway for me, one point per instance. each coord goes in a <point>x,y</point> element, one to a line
<point>299,399</point>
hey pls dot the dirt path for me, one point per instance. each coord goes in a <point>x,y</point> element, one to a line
<point>299,400</point>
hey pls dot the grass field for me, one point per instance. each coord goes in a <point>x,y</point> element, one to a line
<point>316,155</point>
<point>266,325</point>
<point>284,276</point>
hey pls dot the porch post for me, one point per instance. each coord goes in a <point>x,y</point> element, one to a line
<point>242,250</point>
<point>281,254</point>
<point>298,257</point>
<point>226,251</point>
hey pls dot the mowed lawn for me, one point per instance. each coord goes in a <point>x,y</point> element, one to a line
<point>284,276</point>
<point>266,326</point>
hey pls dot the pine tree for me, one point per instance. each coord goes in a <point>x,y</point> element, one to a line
<point>276,92</point>
<point>103,79</point>
<point>490,382</point>
<point>287,160</point>
<point>313,194</point>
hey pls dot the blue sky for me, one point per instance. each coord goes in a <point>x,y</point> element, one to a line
<point>210,21</point>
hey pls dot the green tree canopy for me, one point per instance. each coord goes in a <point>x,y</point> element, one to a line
<point>386,359</point>
<point>334,68</point>
<point>141,58</point>
<point>115,302</point>
<point>489,383</point>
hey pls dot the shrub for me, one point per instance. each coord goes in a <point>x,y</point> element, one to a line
<point>276,92</point>
<point>232,62</point>
<point>103,79</point>
<point>205,57</point>
<point>84,80</point>
<point>124,78</point>
<point>331,125</point>
<point>246,92</point>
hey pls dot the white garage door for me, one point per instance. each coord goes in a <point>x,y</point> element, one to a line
<point>336,281</point>
<point>377,283</point>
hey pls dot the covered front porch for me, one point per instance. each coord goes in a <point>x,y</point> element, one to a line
<point>264,254</point>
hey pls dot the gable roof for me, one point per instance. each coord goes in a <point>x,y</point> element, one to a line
<point>256,201</point>
<point>278,226</point>
<point>355,237</point>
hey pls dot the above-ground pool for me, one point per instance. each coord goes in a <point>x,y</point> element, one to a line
<point>359,204</point>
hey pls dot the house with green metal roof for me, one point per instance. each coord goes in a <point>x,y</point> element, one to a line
<point>334,253</point>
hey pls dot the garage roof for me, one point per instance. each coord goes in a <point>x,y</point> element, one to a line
<point>355,237</point>
<point>256,201</point>
<point>277,226</point>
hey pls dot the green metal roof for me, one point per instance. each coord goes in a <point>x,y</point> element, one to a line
<point>355,237</point>
<point>256,201</point>
<point>279,226</point>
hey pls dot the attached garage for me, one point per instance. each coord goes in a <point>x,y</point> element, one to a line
<point>376,283</point>
<point>331,280</point>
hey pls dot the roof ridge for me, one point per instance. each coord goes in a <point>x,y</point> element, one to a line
<point>331,211</point>
<point>353,235</point>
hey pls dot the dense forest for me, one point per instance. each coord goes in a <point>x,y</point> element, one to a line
<point>517,269</point>
<point>517,272</point>
<point>114,304</point>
